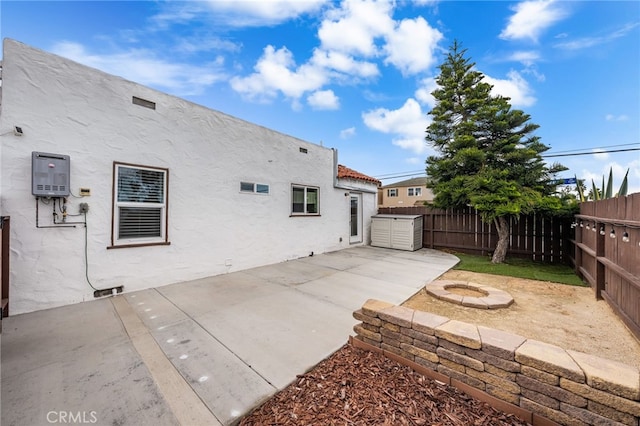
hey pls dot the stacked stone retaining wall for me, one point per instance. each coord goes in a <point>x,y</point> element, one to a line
<point>534,380</point>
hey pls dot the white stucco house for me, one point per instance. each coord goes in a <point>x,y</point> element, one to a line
<point>117,185</point>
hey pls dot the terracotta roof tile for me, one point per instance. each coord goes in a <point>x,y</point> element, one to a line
<point>345,172</point>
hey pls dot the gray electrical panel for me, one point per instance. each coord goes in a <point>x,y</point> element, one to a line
<point>50,174</point>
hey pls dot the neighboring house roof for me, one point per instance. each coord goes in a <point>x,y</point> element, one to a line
<point>345,172</point>
<point>419,181</point>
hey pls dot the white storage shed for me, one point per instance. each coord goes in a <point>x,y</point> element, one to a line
<point>402,232</point>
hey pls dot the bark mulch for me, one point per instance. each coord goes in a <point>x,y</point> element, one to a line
<point>358,387</point>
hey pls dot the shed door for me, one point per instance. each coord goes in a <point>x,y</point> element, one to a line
<point>355,222</point>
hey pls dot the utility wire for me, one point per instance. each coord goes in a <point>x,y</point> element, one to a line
<point>596,147</point>
<point>419,173</point>
<point>590,153</point>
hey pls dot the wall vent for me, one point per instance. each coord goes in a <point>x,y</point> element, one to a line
<point>303,150</point>
<point>143,102</point>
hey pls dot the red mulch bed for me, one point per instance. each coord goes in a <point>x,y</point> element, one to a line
<point>358,387</point>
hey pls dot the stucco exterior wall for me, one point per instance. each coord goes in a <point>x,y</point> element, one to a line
<point>67,108</point>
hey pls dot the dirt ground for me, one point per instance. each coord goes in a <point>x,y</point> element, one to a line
<point>562,315</point>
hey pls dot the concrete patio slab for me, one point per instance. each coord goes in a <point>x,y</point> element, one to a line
<point>213,293</point>
<point>233,340</point>
<point>225,383</point>
<point>76,361</point>
<point>285,332</point>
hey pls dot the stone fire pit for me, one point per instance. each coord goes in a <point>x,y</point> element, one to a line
<point>469,294</point>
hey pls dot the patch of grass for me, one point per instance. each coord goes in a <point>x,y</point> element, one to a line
<point>519,268</point>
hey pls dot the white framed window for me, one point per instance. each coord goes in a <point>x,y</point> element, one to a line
<point>255,188</point>
<point>393,192</point>
<point>414,192</point>
<point>305,200</point>
<point>139,205</point>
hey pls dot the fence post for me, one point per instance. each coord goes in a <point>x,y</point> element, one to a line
<point>600,269</point>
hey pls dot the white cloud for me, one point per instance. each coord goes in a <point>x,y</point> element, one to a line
<point>619,170</point>
<point>514,87</point>
<point>348,133</point>
<point>531,18</point>
<point>408,123</point>
<point>423,93</point>
<point>245,13</point>
<point>526,57</point>
<point>275,72</point>
<point>587,42</point>
<point>611,117</point>
<point>344,63</point>
<point>323,99</point>
<point>600,154</point>
<point>410,47</point>
<point>353,27</point>
<point>143,67</point>
<point>415,160</point>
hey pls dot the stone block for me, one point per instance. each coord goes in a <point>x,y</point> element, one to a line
<point>587,416</point>
<point>607,375</point>
<point>602,397</point>
<point>551,414</point>
<point>398,315</point>
<point>361,331</point>
<point>372,306</point>
<point>391,342</point>
<point>370,327</point>
<point>428,355</point>
<point>360,316</point>
<point>555,392</point>
<point>474,302</point>
<point>549,358</point>
<point>391,327</point>
<point>396,350</point>
<point>500,372</point>
<point>426,346</point>
<point>613,414</point>
<point>460,359</point>
<point>506,385</point>
<point>539,375</point>
<point>461,333</point>
<point>430,361</point>
<point>471,381</point>
<point>452,365</point>
<point>540,398</point>
<point>426,322</point>
<point>418,336</point>
<point>397,336</point>
<point>453,347</point>
<point>500,393</point>
<point>500,343</point>
<point>504,364</point>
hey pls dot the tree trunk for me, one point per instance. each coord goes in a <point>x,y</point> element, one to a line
<point>500,253</point>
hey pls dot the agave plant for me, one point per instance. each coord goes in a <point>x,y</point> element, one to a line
<point>604,191</point>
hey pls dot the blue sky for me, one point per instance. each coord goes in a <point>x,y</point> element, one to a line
<point>357,75</point>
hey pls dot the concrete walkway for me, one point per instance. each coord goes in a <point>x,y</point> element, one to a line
<point>202,352</point>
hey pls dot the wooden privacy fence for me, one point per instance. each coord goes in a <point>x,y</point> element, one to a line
<point>544,239</point>
<point>607,254</point>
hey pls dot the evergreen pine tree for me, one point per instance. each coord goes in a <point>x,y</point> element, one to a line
<point>489,157</point>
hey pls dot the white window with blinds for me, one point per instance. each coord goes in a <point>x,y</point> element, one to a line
<point>140,205</point>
